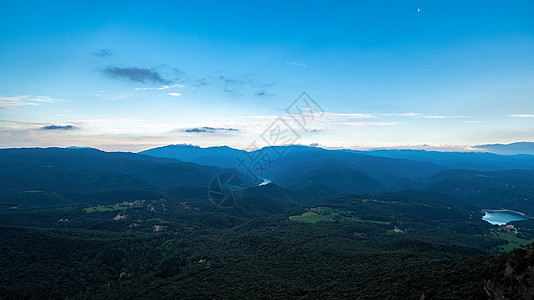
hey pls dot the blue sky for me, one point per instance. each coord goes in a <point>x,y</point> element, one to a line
<point>132,75</point>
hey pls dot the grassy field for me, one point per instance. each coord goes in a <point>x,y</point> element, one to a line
<point>116,207</point>
<point>514,241</point>
<point>156,221</point>
<point>319,214</point>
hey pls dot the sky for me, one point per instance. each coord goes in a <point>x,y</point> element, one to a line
<point>132,75</point>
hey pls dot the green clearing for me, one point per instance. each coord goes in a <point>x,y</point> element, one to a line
<point>156,221</point>
<point>116,207</point>
<point>319,214</point>
<point>513,241</point>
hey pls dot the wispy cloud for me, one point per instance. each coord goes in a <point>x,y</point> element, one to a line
<point>104,53</point>
<point>263,93</point>
<point>200,82</point>
<point>236,85</point>
<point>444,117</point>
<point>102,121</point>
<point>206,130</point>
<point>135,74</point>
<point>244,85</point>
<point>18,122</point>
<point>329,117</point>
<point>163,87</point>
<point>27,137</point>
<point>521,116</point>
<point>102,93</point>
<point>103,125</point>
<point>314,122</point>
<point>232,81</point>
<point>59,127</point>
<point>232,85</point>
<point>409,114</point>
<point>295,64</point>
<point>7,102</point>
<point>174,94</point>
<point>325,121</point>
<point>367,124</point>
<point>419,115</point>
<point>428,147</point>
<point>336,116</point>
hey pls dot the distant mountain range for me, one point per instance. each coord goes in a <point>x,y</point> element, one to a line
<point>301,166</point>
<point>491,158</point>
<point>480,178</point>
<point>393,169</point>
<point>487,180</point>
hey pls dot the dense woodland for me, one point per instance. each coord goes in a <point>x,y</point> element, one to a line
<point>251,250</point>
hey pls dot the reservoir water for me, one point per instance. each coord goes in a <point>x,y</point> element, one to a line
<point>502,217</point>
<point>265,181</point>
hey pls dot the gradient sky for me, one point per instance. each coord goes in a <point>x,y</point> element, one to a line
<point>132,75</point>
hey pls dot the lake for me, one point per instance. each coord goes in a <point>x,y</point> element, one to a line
<point>502,217</point>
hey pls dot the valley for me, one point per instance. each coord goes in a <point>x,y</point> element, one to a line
<point>150,238</point>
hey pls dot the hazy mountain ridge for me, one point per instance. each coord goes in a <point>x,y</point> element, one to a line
<point>509,149</point>
<point>223,156</point>
<point>292,166</point>
<point>387,169</point>
<point>340,172</point>
<point>479,161</point>
<point>51,163</point>
<point>487,180</point>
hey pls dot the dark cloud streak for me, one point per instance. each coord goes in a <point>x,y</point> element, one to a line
<point>207,130</point>
<point>234,82</point>
<point>59,127</point>
<point>135,74</point>
<point>104,53</point>
<point>263,93</point>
